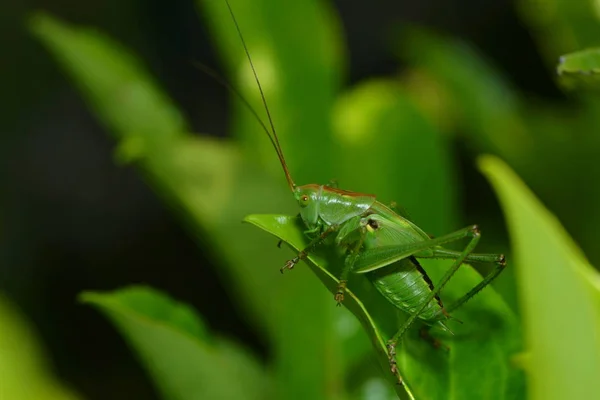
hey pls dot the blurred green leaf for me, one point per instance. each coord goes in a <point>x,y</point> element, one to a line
<point>387,147</point>
<point>581,70</point>
<point>185,361</point>
<point>24,372</point>
<point>300,66</point>
<point>112,81</point>
<point>559,293</point>
<point>471,90</point>
<point>581,62</point>
<point>299,69</point>
<point>478,365</point>
<point>538,138</point>
<point>397,154</point>
<point>212,185</point>
<point>561,26</point>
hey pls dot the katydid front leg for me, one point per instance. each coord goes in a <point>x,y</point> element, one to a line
<point>313,243</point>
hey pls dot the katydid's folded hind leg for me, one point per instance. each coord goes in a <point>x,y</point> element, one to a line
<point>475,235</point>
<point>304,252</point>
<point>500,262</point>
<point>497,259</point>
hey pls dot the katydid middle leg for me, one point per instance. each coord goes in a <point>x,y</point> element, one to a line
<point>349,264</point>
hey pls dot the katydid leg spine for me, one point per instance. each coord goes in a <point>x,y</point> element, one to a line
<point>381,243</point>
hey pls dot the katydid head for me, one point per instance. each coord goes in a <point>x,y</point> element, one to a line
<point>308,197</point>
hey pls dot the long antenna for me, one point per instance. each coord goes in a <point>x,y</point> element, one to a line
<point>275,142</point>
<point>213,74</point>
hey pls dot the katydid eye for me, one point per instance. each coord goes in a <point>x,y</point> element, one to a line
<point>372,225</point>
<point>304,200</point>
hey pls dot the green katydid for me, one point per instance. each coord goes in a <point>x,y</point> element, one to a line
<point>379,242</point>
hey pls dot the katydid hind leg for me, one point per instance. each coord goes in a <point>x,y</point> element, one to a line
<point>311,246</point>
<point>486,281</point>
<point>497,259</point>
<point>443,253</point>
<point>391,345</point>
<point>380,257</point>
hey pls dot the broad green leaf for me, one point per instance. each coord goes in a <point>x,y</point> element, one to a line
<point>212,185</point>
<point>183,358</point>
<point>471,91</point>
<point>581,62</point>
<point>395,153</point>
<point>114,83</point>
<point>581,70</point>
<point>478,365</point>
<point>538,138</point>
<point>300,69</point>
<point>398,155</point>
<point>387,147</point>
<point>559,294</point>
<point>24,372</point>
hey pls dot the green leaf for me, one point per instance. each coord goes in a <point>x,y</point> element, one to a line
<point>580,70</point>
<point>559,294</point>
<point>388,147</point>
<point>562,25</point>
<point>114,83</point>
<point>300,69</point>
<point>397,154</point>
<point>184,360</point>
<point>479,362</point>
<point>473,93</point>
<point>24,372</point>
<point>212,185</point>
<point>581,62</point>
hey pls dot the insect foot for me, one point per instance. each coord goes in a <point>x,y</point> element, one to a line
<point>391,348</point>
<point>339,295</point>
<point>290,264</point>
<point>502,260</point>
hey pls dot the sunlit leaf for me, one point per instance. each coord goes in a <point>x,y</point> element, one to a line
<point>561,26</point>
<point>581,62</point>
<point>212,185</point>
<point>559,294</point>
<point>183,358</point>
<point>24,372</point>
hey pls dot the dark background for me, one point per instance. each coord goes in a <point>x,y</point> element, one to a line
<point>71,219</point>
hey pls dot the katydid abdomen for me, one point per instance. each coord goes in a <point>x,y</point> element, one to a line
<point>405,285</point>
